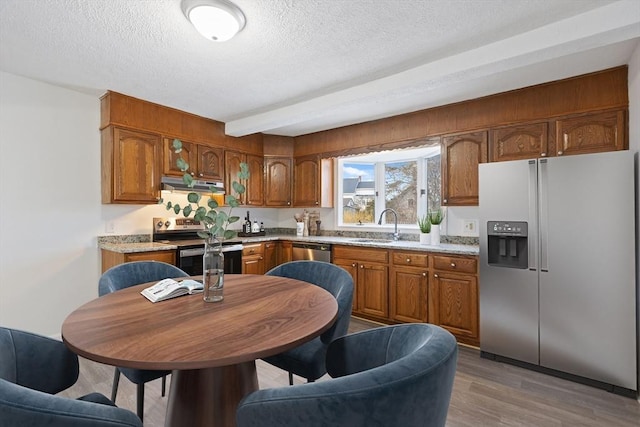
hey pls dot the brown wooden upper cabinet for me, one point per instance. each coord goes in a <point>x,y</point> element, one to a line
<point>131,166</point>
<point>254,187</point>
<point>277,186</point>
<point>461,155</point>
<point>313,182</point>
<point>591,133</point>
<point>205,162</point>
<point>518,142</point>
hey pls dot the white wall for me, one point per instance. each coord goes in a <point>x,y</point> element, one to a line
<point>50,202</point>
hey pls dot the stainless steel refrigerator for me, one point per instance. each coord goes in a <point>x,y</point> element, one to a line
<point>557,273</point>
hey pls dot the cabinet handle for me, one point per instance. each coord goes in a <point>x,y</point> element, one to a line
<point>408,259</point>
<point>361,266</point>
<point>543,154</point>
<point>353,265</point>
<point>261,258</point>
<point>453,264</point>
<point>200,174</point>
<point>424,274</point>
<point>445,200</point>
<point>192,173</point>
<point>317,203</point>
<point>288,203</point>
<point>435,275</point>
<point>560,153</point>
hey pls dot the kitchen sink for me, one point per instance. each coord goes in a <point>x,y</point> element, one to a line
<point>370,241</point>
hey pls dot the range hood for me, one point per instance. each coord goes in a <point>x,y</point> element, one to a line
<point>175,184</point>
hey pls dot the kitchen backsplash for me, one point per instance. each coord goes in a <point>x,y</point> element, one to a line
<point>460,240</point>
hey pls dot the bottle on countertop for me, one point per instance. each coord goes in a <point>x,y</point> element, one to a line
<point>255,228</point>
<point>261,227</point>
<point>247,224</point>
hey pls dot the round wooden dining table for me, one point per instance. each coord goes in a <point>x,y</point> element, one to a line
<point>210,347</point>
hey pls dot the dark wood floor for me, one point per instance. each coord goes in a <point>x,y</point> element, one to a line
<point>485,393</point>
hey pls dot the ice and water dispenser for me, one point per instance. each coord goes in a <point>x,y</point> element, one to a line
<point>507,244</point>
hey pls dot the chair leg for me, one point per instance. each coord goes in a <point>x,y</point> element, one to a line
<point>114,387</point>
<point>164,384</point>
<point>140,401</point>
<point>290,378</point>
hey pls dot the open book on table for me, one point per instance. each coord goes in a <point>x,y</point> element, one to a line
<point>171,288</point>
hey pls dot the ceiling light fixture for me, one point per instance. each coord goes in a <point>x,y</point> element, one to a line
<point>217,20</point>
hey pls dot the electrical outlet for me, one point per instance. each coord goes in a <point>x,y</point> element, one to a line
<point>470,227</point>
<point>110,227</point>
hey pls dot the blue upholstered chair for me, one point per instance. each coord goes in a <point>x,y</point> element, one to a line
<point>32,369</point>
<point>394,376</point>
<point>308,360</point>
<point>123,276</point>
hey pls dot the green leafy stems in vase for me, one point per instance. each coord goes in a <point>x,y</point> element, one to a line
<point>216,222</point>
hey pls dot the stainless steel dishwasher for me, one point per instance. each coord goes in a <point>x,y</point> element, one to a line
<point>312,251</point>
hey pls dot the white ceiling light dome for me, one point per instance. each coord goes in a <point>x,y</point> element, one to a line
<point>217,20</point>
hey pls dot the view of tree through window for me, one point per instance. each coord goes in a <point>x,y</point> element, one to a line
<point>400,182</point>
<point>407,181</point>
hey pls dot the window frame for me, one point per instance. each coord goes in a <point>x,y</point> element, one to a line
<point>379,161</point>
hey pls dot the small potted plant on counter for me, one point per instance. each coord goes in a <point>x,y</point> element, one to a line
<point>436,217</point>
<point>424,224</point>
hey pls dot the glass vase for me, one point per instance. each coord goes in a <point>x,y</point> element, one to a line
<point>213,270</point>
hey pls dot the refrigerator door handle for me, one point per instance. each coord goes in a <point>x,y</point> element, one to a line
<point>533,214</point>
<point>543,217</point>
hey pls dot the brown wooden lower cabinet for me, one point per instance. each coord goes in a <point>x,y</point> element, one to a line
<point>253,258</point>
<point>414,286</point>
<point>110,258</point>
<point>285,251</point>
<point>453,297</point>
<point>270,255</point>
<point>370,271</point>
<point>408,285</point>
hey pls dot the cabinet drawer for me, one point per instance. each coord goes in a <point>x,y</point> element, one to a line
<point>450,263</point>
<point>413,259</point>
<point>361,254</point>
<point>253,249</point>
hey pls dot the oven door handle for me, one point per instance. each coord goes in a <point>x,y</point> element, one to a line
<point>184,253</point>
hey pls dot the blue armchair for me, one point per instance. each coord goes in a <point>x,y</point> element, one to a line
<point>308,359</point>
<point>399,375</point>
<point>123,276</point>
<point>32,369</point>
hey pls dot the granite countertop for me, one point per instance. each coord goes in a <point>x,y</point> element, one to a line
<point>448,248</point>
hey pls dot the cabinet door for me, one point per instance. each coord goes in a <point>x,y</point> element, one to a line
<point>270,255</point>
<point>137,166</point>
<point>352,269</point>
<point>373,290</point>
<point>285,252</point>
<point>255,187</point>
<point>210,163</point>
<point>277,181</point>
<point>461,155</point>
<point>591,133</point>
<point>408,294</point>
<point>253,264</point>
<point>232,160</point>
<point>306,182</point>
<point>454,305</point>
<point>189,154</point>
<point>527,141</point>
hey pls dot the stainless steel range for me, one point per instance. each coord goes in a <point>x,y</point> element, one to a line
<point>183,232</point>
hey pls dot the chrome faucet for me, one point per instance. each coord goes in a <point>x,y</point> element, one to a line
<point>396,236</point>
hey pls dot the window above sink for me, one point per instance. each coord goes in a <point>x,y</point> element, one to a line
<point>406,180</point>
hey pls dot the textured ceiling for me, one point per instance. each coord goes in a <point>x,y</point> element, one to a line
<point>300,66</point>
